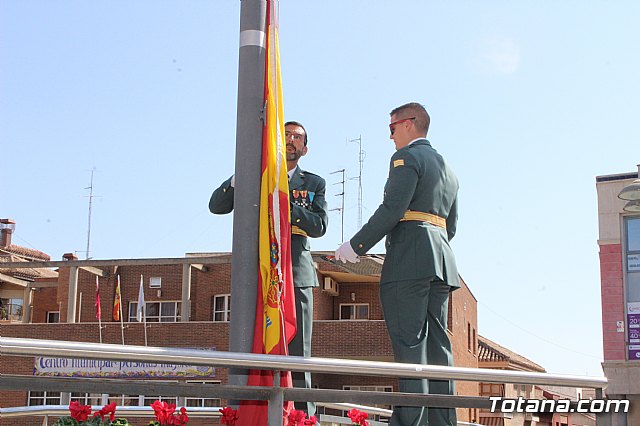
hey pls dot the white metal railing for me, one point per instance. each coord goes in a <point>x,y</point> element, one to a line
<point>108,351</point>
<point>194,412</point>
<point>276,395</point>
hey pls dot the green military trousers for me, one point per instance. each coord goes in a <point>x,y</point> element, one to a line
<point>415,312</point>
<point>301,343</point>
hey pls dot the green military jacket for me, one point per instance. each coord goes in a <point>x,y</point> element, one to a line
<point>308,216</point>
<point>419,180</point>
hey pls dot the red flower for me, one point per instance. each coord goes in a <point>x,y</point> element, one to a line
<point>164,412</point>
<point>79,412</point>
<point>183,419</point>
<point>107,409</point>
<point>229,416</point>
<point>311,421</point>
<point>297,417</point>
<point>358,417</point>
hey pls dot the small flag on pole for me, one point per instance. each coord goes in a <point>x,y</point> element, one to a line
<point>142,310</point>
<point>116,302</point>
<point>98,310</point>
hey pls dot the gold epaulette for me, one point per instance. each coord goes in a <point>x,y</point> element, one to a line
<point>424,217</point>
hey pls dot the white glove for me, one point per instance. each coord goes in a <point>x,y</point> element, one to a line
<point>233,180</point>
<point>346,254</point>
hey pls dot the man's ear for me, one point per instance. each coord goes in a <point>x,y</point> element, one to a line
<point>304,150</point>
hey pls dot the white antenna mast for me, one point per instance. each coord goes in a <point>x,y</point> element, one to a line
<point>90,188</point>
<point>361,157</point>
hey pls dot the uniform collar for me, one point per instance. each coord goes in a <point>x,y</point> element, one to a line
<point>296,178</point>
<point>420,140</point>
<point>417,141</point>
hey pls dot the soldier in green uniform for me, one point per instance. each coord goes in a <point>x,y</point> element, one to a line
<point>309,219</point>
<point>418,216</point>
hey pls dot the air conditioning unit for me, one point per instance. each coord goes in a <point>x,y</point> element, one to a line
<point>330,286</point>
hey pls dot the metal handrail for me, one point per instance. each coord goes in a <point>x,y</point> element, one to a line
<point>275,395</point>
<point>146,411</point>
<point>106,351</point>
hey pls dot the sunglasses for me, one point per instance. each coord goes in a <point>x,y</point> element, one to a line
<point>392,126</point>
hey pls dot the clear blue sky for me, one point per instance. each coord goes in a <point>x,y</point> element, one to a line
<point>529,102</point>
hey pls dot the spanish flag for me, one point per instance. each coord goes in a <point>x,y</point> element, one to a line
<point>276,311</point>
<point>116,302</point>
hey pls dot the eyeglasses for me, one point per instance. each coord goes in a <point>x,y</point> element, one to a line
<point>392,126</point>
<point>296,136</point>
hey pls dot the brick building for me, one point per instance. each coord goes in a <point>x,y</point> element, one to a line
<point>619,243</point>
<point>348,320</point>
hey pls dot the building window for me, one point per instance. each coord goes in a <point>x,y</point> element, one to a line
<point>469,338</point>
<point>157,311</point>
<point>53,316</point>
<point>633,258</point>
<point>491,389</point>
<point>155,282</point>
<point>222,308</point>
<point>11,309</point>
<point>354,311</point>
<point>475,342</point>
<point>203,402</point>
<point>125,400</point>
<point>148,400</point>
<point>44,398</point>
<point>87,398</point>
<point>632,280</point>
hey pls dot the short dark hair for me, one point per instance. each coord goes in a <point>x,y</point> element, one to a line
<point>295,123</point>
<point>414,109</point>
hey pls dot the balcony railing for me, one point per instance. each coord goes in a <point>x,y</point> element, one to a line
<point>274,395</point>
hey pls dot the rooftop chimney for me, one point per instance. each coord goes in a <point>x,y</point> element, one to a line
<point>7,226</point>
<point>69,256</point>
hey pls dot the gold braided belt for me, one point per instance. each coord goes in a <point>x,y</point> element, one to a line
<point>298,231</point>
<point>411,215</point>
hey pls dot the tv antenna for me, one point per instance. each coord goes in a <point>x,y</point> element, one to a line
<point>341,208</point>
<point>91,197</point>
<point>361,157</point>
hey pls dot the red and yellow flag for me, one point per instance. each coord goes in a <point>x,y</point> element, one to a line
<point>116,302</point>
<point>276,312</point>
<point>98,310</point>
<point>276,281</point>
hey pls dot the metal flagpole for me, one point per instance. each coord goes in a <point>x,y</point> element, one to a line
<point>141,312</point>
<point>249,124</point>
<point>144,318</point>
<point>120,310</point>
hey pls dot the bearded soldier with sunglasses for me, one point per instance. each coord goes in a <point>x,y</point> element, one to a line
<point>309,219</point>
<point>418,216</point>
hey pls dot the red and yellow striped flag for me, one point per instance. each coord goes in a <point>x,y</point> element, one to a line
<point>276,311</point>
<point>116,302</point>
<point>276,281</point>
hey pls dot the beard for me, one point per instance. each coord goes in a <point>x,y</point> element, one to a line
<point>293,155</point>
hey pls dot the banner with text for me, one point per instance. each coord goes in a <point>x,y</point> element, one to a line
<point>68,367</point>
